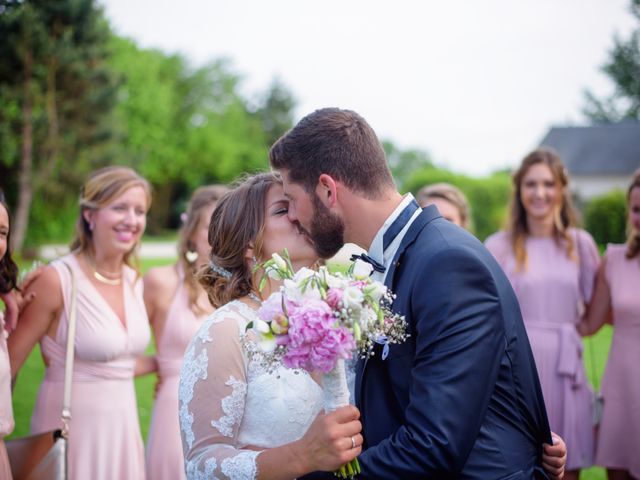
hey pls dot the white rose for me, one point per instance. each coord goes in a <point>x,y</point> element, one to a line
<point>293,291</point>
<point>303,274</point>
<point>335,281</point>
<point>352,297</point>
<point>375,290</point>
<point>261,327</point>
<point>361,269</point>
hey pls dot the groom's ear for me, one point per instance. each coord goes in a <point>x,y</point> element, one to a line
<point>327,190</point>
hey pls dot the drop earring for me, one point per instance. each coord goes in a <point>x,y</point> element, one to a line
<point>191,256</point>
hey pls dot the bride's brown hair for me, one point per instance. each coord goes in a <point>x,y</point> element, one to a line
<point>236,224</point>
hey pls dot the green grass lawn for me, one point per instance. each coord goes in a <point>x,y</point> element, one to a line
<point>32,372</point>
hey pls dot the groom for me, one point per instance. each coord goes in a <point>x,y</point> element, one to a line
<point>460,398</point>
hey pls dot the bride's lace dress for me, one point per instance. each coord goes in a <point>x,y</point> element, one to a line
<point>231,407</point>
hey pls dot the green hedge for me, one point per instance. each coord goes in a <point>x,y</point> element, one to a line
<point>488,196</point>
<point>605,217</point>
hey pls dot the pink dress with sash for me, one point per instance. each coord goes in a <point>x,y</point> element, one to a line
<point>104,441</point>
<point>619,433</point>
<point>165,460</point>
<point>551,291</point>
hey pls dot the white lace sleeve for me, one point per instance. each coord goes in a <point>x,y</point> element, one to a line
<point>212,399</point>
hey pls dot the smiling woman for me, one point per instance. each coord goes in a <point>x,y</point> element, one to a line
<point>112,330</point>
<point>552,265</point>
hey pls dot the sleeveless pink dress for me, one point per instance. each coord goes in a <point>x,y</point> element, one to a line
<point>550,292</point>
<point>6,408</point>
<point>619,434</point>
<point>104,441</point>
<point>165,460</point>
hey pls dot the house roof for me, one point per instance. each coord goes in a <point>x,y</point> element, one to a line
<point>607,149</point>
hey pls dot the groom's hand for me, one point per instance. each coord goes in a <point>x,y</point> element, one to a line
<point>328,444</point>
<point>554,457</point>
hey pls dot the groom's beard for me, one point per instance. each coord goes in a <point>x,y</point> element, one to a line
<point>327,230</point>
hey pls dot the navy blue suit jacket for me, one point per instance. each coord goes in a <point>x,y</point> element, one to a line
<point>461,397</point>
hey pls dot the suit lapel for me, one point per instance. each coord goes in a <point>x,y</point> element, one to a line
<point>427,215</point>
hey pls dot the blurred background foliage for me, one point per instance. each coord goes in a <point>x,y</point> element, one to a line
<point>74,96</point>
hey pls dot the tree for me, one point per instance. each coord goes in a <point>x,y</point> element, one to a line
<point>276,111</point>
<point>623,68</point>
<point>182,127</point>
<point>404,163</point>
<point>58,98</point>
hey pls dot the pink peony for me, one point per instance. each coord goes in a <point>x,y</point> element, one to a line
<point>334,296</point>
<point>271,308</point>
<point>315,341</point>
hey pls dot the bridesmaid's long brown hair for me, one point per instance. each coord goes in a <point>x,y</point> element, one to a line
<point>200,199</point>
<point>564,216</point>
<point>633,235</point>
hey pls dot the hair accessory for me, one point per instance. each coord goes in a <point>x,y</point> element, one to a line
<point>223,272</point>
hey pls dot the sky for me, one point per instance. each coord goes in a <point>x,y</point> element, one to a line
<point>475,83</point>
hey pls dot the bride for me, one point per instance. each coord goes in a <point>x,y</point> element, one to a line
<point>237,419</point>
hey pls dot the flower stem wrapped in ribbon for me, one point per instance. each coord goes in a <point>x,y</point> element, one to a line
<point>318,319</point>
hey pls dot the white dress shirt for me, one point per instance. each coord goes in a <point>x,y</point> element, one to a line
<point>385,257</point>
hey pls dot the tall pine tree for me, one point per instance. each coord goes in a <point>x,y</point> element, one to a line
<point>56,96</point>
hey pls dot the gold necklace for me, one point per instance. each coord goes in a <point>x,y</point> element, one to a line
<point>108,281</point>
<point>101,278</point>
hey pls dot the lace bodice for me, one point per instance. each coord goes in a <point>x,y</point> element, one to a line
<point>231,407</point>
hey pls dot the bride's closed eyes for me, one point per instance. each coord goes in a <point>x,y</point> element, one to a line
<point>279,207</point>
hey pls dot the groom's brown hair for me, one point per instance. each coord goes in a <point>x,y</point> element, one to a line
<point>336,142</point>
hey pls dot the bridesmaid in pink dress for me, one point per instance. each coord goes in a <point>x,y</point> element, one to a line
<point>552,268</point>
<point>112,330</point>
<point>616,298</point>
<point>177,305</point>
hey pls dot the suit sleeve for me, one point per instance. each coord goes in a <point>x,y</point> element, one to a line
<point>458,326</point>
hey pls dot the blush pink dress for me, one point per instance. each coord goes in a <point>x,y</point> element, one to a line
<point>104,441</point>
<point>619,434</point>
<point>165,460</point>
<point>6,408</point>
<point>552,291</point>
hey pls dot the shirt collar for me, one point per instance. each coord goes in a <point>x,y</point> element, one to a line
<point>375,250</point>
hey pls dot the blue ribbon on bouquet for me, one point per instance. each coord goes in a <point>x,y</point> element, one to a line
<point>384,341</point>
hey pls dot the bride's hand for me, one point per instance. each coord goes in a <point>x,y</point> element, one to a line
<point>328,443</point>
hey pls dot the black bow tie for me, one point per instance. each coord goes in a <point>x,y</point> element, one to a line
<point>377,266</point>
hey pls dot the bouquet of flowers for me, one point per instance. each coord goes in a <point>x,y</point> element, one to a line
<point>320,318</point>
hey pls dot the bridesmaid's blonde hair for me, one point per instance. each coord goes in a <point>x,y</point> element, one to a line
<point>451,194</point>
<point>201,198</point>
<point>564,217</point>
<point>102,187</point>
<point>633,235</point>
